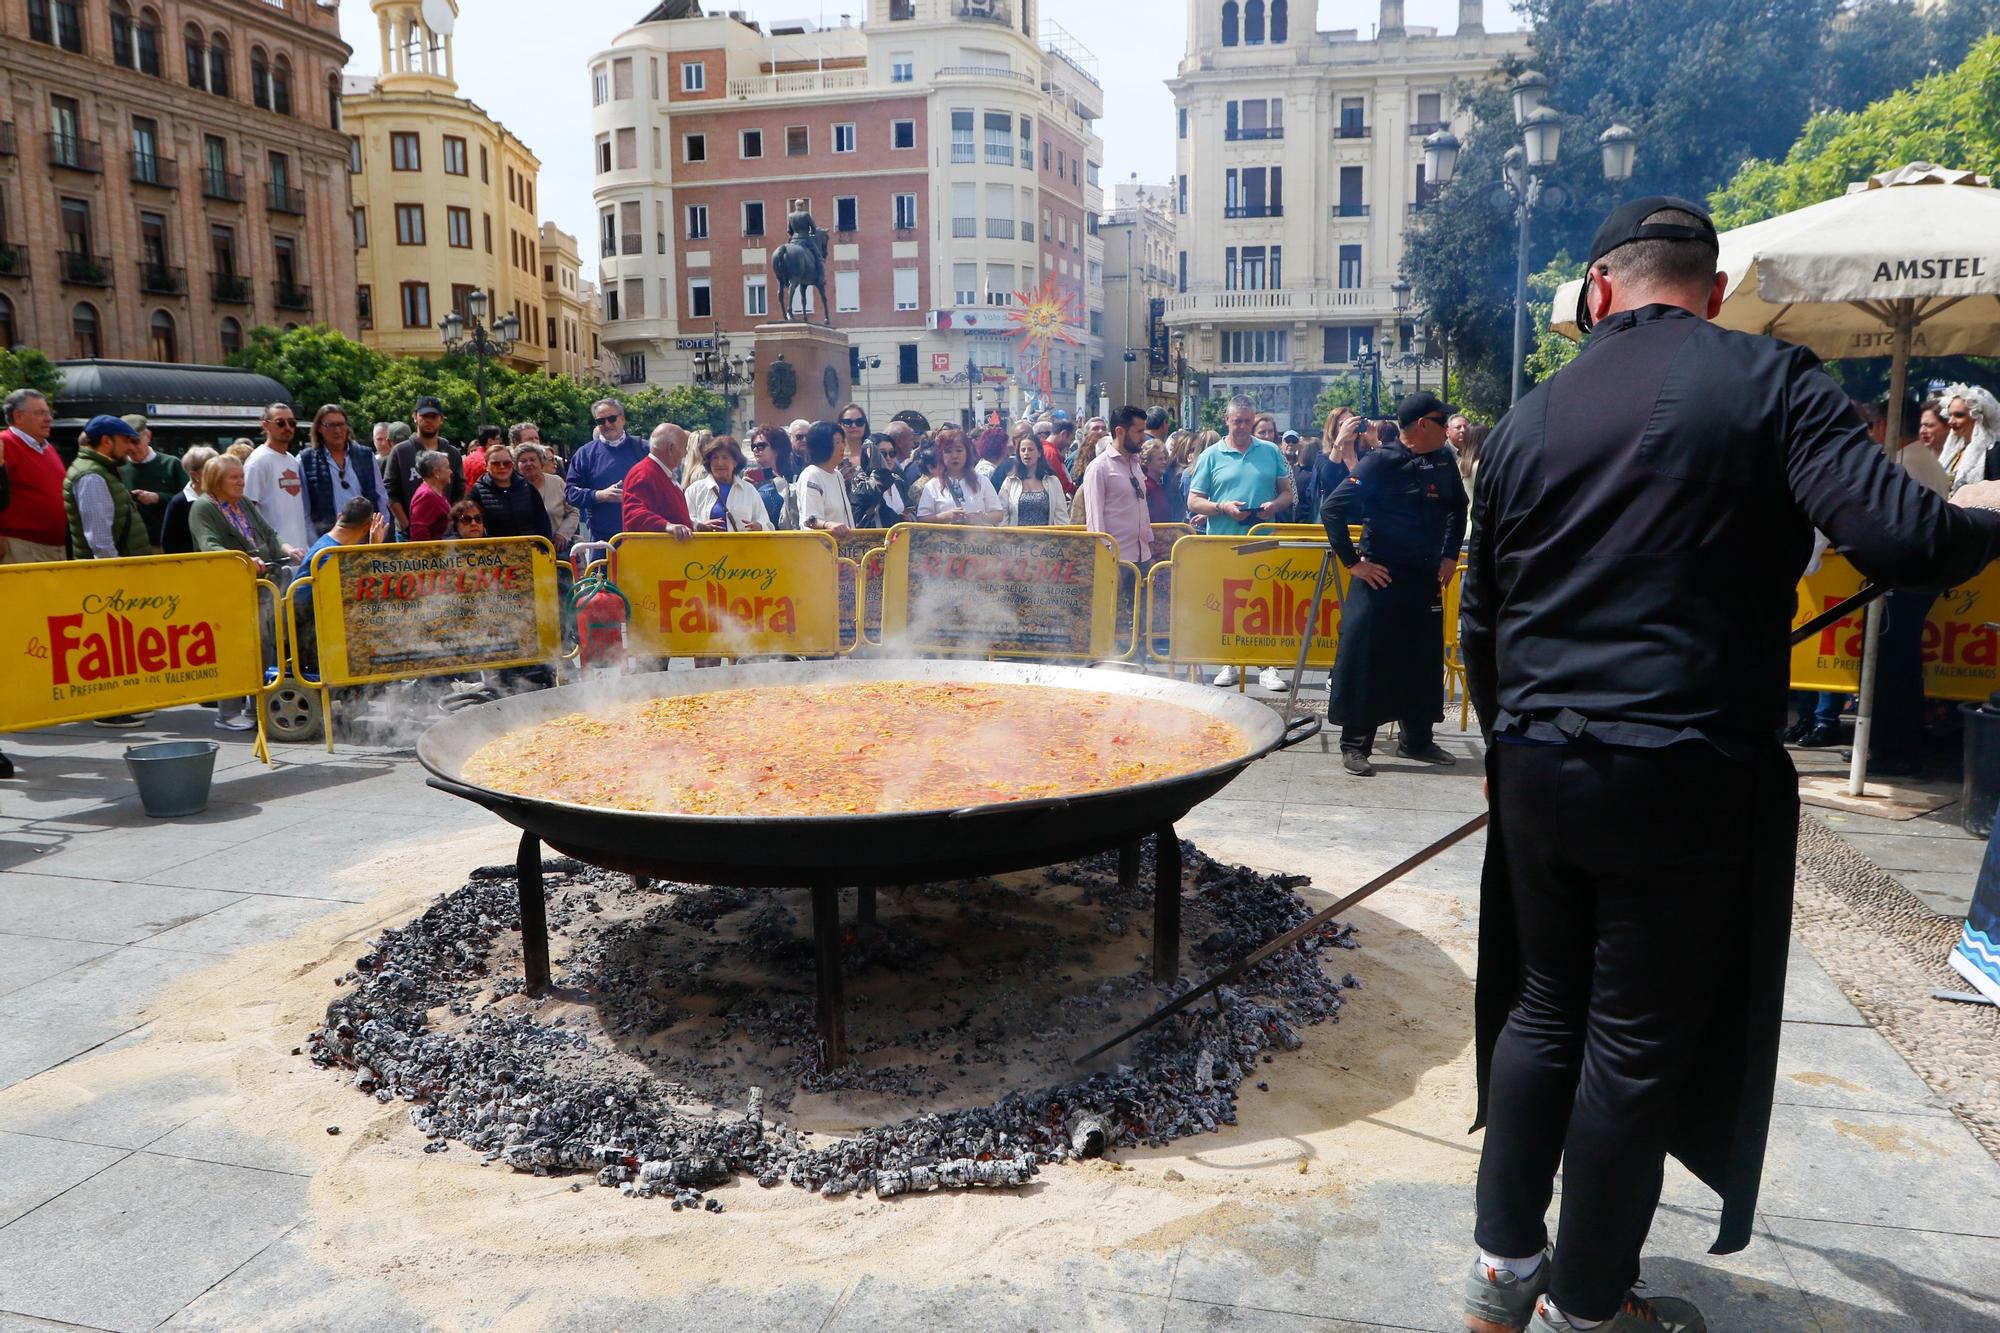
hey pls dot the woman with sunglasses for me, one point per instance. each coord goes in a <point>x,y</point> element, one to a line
<point>853,422</point>
<point>956,493</point>
<point>508,505</point>
<point>770,451</point>
<point>881,494</point>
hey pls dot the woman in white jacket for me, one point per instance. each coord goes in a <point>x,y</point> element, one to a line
<point>1026,483</point>
<point>716,500</point>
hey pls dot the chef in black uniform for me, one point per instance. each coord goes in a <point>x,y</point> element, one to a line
<point>1640,524</point>
<point>1409,502</point>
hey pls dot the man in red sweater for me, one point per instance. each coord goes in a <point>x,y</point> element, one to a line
<point>33,525</point>
<point>653,500</point>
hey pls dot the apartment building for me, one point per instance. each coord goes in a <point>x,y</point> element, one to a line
<point>1300,162</point>
<point>946,145</point>
<point>444,198</point>
<point>571,323</point>
<point>172,172</point>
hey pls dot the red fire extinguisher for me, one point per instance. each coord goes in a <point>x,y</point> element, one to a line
<point>601,614</point>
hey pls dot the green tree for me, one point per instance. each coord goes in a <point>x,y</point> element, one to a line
<point>29,368</point>
<point>692,407</point>
<point>1213,409</point>
<point>1952,119</point>
<point>1552,351</point>
<point>1702,96</point>
<point>316,364</point>
<point>1345,391</point>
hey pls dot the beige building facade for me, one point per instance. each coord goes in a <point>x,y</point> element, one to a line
<point>570,323</point>
<point>1139,251</point>
<point>444,199</point>
<point>1300,157</point>
<point>172,173</point>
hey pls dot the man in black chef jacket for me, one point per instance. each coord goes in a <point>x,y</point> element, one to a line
<point>1640,524</point>
<point>1409,501</point>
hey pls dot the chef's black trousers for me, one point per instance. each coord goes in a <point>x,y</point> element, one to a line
<point>1361,740</point>
<point>1627,871</point>
<point>1899,680</point>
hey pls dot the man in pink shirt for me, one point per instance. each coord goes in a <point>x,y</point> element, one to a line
<point>1114,487</point>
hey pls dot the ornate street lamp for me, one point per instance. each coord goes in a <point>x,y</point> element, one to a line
<point>468,333</point>
<point>865,364</point>
<point>716,369</point>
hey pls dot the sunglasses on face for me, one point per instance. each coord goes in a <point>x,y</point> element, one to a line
<point>609,421</point>
<point>285,422</point>
<point>497,464</point>
<point>1438,421</point>
<point>854,421</point>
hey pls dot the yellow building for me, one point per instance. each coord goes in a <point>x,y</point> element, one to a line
<point>569,315</point>
<point>444,197</point>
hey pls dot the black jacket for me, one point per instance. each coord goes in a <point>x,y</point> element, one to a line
<point>1641,522</point>
<point>517,511</point>
<point>1411,508</point>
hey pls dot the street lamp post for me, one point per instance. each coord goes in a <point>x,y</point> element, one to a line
<point>715,368</point>
<point>1524,186</point>
<point>866,364</point>
<point>1130,357</point>
<point>1369,360</point>
<point>468,333</point>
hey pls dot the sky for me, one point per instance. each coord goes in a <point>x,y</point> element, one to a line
<point>532,74</point>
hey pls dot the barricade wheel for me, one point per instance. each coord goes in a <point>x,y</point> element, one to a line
<point>293,714</point>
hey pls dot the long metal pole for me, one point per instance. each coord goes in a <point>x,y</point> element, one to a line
<point>479,351</point>
<point>1524,210</point>
<point>1871,633</point>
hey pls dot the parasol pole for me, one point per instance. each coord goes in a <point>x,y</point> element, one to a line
<point>1871,634</point>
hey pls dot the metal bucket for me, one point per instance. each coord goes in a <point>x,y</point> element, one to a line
<point>173,777</point>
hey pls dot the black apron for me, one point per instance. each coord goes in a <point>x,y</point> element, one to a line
<point>1722,1132</point>
<point>1390,663</point>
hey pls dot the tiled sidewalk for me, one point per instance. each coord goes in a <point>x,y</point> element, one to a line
<point>132,1209</point>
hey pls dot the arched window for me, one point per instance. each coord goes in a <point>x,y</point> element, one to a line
<point>333,117</point>
<point>121,36</point>
<point>260,78</point>
<point>166,346</point>
<point>232,336</point>
<point>195,46</point>
<point>1229,12</point>
<point>218,65</point>
<point>83,343</point>
<point>10,335</point>
<point>291,326</point>
<point>281,86</point>
<point>1280,20</point>
<point>1253,22</point>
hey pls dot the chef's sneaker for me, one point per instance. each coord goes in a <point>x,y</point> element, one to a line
<point>1273,679</point>
<point>1226,676</point>
<point>1661,1314</point>
<point>1357,763</point>
<point>1498,1302</point>
<point>1430,752</point>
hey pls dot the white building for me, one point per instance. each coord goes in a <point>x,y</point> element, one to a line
<point>1300,162</point>
<point>1139,258</point>
<point>947,145</point>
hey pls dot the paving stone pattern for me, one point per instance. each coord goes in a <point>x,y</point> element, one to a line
<point>140,1211</point>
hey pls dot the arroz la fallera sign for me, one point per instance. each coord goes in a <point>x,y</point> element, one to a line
<point>1248,608</point>
<point>95,638</point>
<point>730,594</point>
<point>1961,657</point>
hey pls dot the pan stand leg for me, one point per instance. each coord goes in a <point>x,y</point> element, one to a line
<point>831,997</point>
<point>1166,905</point>
<point>1128,864</point>
<point>864,906</point>
<point>534,913</point>
<point>642,882</point>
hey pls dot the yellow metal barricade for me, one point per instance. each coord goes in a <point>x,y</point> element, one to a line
<point>1000,592</point>
<point>730,594</point>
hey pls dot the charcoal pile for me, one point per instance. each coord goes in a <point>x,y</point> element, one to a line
<point>674,1052</point>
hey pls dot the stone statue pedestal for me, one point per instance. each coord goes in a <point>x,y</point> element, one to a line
<point>802,370</point>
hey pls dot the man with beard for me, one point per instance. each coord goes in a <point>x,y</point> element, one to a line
<point>402,481</point>
<point>1114,489</point>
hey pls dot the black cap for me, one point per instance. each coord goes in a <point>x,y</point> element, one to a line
<point>1420,405</point>
<point>1627,224</point>
<point>428,404</point>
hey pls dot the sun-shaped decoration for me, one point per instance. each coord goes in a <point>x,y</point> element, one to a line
<point>1041,318</point>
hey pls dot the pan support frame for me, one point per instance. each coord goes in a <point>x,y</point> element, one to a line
<point>829,987</point>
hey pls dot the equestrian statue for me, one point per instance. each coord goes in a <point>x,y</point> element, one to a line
<point>800,265</point>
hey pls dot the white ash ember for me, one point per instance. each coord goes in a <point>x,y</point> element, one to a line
<point>683,1061</point>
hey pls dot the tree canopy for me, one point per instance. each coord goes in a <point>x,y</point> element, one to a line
<point>1703,97</point>
<point>27,368</point>
<point>318,365</point>
<point>1951,119</point>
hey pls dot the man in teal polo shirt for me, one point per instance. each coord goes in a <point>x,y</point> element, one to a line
<point>1238,482</point>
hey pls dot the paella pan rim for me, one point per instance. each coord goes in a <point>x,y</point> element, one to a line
<point>447,745</point>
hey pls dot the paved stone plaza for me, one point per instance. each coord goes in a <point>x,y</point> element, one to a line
<point>134,1202</point>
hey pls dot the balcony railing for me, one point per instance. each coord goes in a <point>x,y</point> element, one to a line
<point>67,150</point>
<point>231,288</point>
<point>1310,302</point>
<point>607,248</point>
<point>162,278</point>
<point>1254,211</point>
<point>794,85</point>
<point>1027,231</point>
<point>1265,132</point>
<point>1000,229</point>
<point>985,72</point>
<point>1347,210</point>
<point>292,296</point>
<point>964,227</point>
<point>85,270</point>
<point>7,148</point>
<point>13,260</point>
<point>152,169</point>
<point>1350,131</point>
<point>218,184</point>
<point>1421,128</point>
<point>283,198</point>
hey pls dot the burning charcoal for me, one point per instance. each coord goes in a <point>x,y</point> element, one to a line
<point>1089,1135</point>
